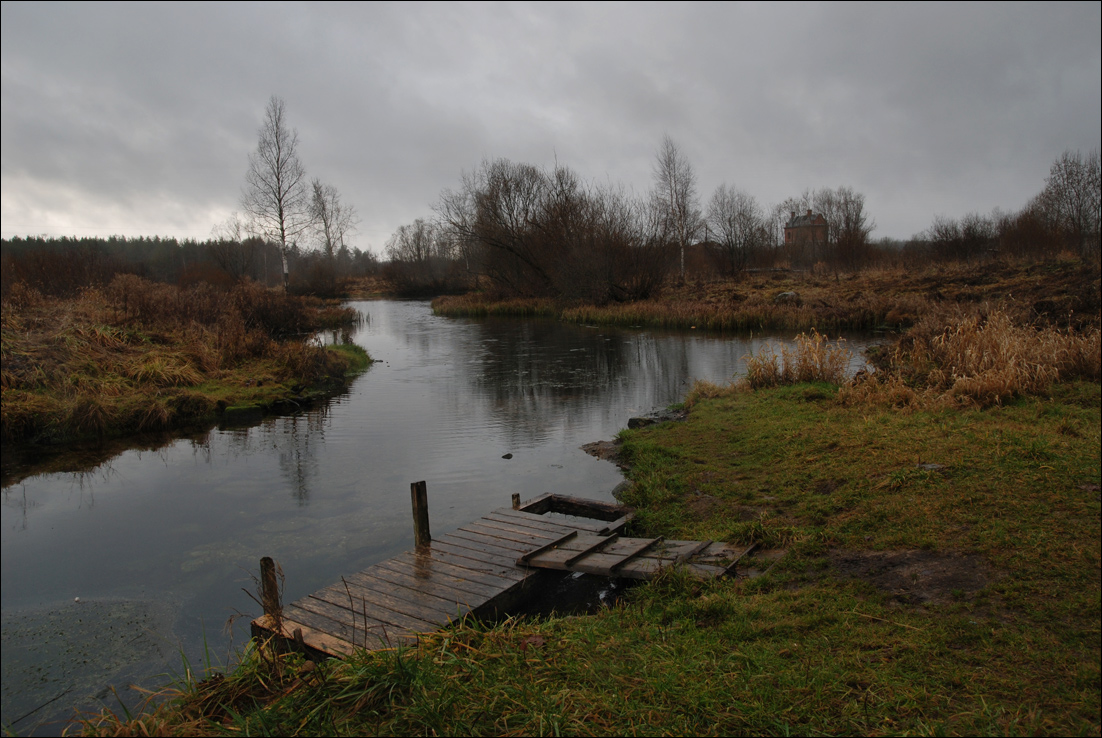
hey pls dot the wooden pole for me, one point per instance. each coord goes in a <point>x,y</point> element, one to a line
<point>420,494</point>
<point>516,501</point>
<point>269,589</point>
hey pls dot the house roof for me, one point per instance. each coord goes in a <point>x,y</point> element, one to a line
<point>808,219</point>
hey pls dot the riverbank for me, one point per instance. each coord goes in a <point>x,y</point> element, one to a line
<point>941,575</point>
<point>872,299</point>
<point>140,356</point>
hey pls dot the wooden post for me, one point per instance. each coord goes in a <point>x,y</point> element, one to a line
<point>269,589</point>
<point>516,501</point>
<point>420,494</point>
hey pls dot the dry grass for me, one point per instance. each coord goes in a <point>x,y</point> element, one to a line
<point>139,355</point>
<point>978,360</point>
<point>814,358</point>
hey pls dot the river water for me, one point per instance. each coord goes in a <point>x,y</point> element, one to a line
<point>127,570</point>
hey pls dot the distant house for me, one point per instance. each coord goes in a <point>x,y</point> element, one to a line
<point>808,228</point>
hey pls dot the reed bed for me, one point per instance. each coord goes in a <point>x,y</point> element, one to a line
<point>750,315</point>
<point>814,358</point>
<point>981,360</point>
<point>480,305</point>
<point>140,356</point>
<point>1064,293</point>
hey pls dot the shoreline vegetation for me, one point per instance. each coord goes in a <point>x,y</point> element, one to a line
<point>135,356</point>
<point>940,516</point>
<point>1058,291</point>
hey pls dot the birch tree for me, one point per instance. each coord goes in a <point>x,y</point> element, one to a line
<point>276,196</point>
<point>676,196</point>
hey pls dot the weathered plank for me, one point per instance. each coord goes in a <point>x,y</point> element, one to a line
<point>362,607</point>
<point>470,570</point>
<point>482,557</point>
<point>430,610</point>
<point>424,592</point>
<point>538,521</point>
<point>546,548</point>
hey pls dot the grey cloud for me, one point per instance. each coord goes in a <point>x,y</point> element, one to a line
<point>925,108</point>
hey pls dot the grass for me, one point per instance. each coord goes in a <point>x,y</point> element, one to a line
<point>141,356</point>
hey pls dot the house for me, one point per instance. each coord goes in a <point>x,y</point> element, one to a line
<point>809,228</point>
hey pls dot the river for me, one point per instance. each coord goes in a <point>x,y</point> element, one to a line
<point>128,569</point>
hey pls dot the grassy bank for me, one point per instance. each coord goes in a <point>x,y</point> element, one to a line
<point>941,575</point>
<point>140,356</point>
<point>789,301</point>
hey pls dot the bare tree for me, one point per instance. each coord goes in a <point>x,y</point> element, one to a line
<point>850,229</point>
<point>332,218</point>
<point>675,192</point>
<point>1072,199</point>
<point>276,195</point>
<point>234,248</point>
<point>740,227</point>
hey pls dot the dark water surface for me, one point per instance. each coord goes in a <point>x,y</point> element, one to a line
<point>158,544</point>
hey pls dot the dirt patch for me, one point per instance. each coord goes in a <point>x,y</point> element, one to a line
<point>826,486</point>
<point>604,450</point>
<point>916,577</point>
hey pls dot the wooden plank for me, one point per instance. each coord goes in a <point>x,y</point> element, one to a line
<point>453,603</point>
<point>730,569</point>
<point>634,554</point>
<point>718,552</point>
<point>443,571</point>
<point>420,591</point>
<point>535,522</point>
<point>523,518</point>
<point>592,548</point>
<point>571,551</point>
<point>523,559</point>
<point>314,638</point>
<point>481,555</point>
<point>440,566</point>
<point>516,531</point>
<point>635,569</point>
<point>618,524</point>
<point>365,635</point>
<point>489,544</point>
<point>429,610</point>
<point>363,606</point>
<point>475,536</point>
<point>482,559</point>
<point>521,537</point>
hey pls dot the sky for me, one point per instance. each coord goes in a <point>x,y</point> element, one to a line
<point>139,118</point>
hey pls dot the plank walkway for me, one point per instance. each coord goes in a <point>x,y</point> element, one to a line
<point>481,569</point>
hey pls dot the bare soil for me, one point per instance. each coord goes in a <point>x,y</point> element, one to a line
<point>915,577</point>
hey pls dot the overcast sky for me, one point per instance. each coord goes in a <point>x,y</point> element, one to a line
<point>138,119</point>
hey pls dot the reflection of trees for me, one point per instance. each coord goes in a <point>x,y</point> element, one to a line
<point>297,439</point>
<point>80,459</point>
<point>535,372</point>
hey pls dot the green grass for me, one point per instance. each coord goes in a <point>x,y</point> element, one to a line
<point>993,630</point>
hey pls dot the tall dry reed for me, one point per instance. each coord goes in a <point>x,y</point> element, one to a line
<point>979,360</point>
<point>814,358</point>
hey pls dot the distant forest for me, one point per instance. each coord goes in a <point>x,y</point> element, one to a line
<point>63,266</point>
<point>520,231</point>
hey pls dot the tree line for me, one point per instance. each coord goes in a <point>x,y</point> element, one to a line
<point>523,231</point>
<point>63,266</point>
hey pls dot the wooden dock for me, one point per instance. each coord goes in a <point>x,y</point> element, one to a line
<point>482,569</point>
